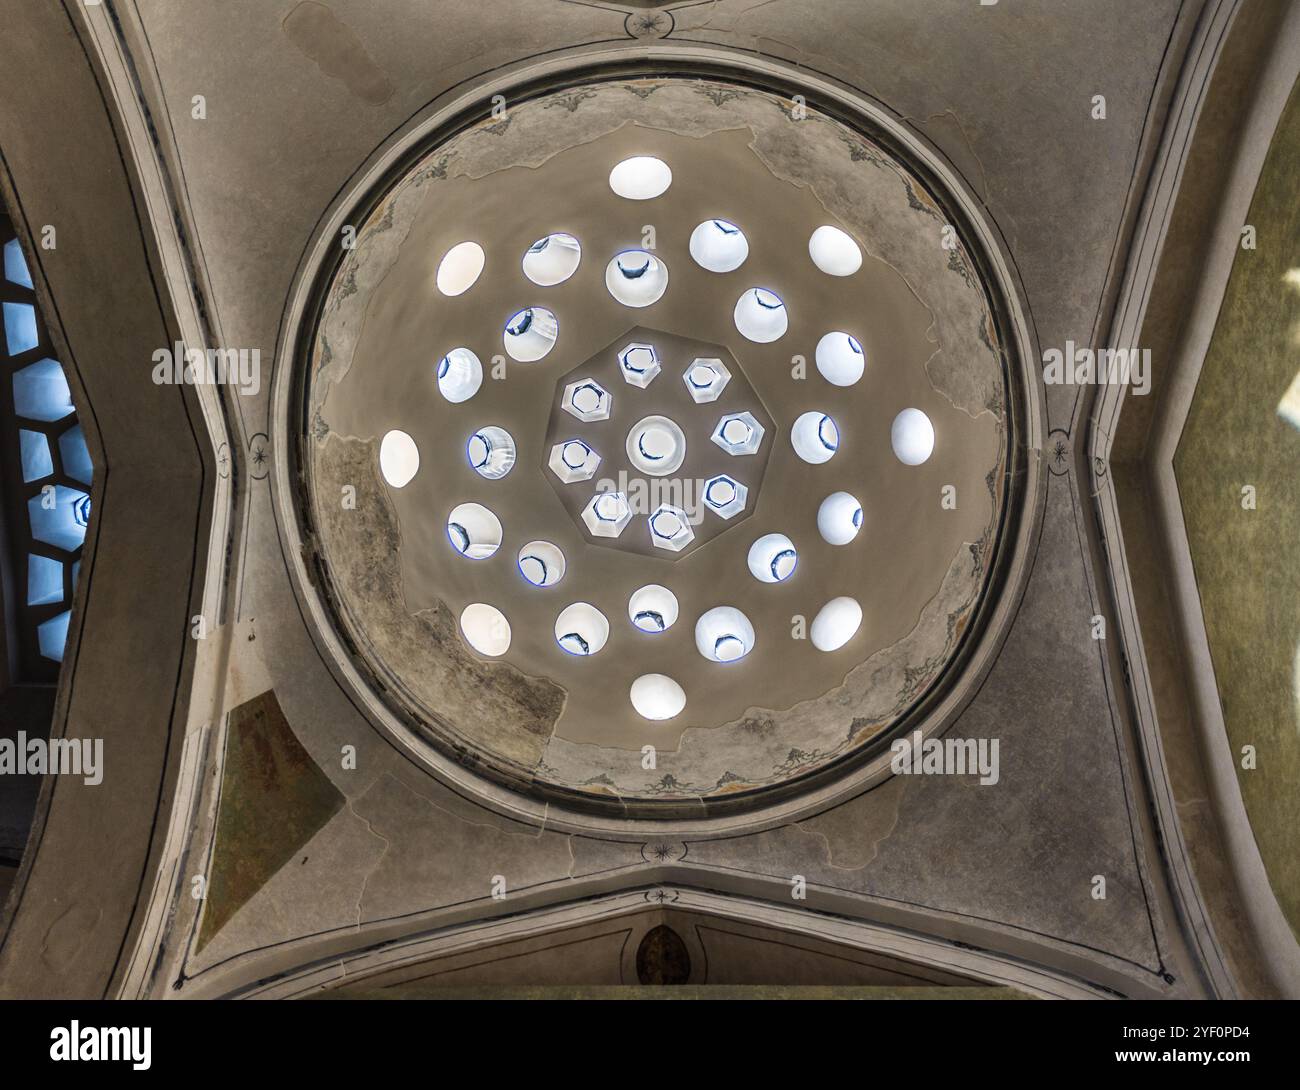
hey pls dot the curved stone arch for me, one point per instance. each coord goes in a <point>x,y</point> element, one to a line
<point>313,976</point>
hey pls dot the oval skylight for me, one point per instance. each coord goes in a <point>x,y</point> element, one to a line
<point>719,246</point>
<point>912,436</point>
<point>657,697</point>
<point>530,334</point>
<point>772,558</point>
<point>460,268</point>
<point>724,634</point>
<point>491,451</point>
<point>839,518</point>
<point>835,624</point>
<point>552,260</point>
<point>460,374</point>
<point>652,608</point>
<point>474,531</point>
<point>399,458</point>
<point>656,445</point>
<point>815,438</point>
<point>760,316</point>
<point>834,252</point>
<point>640,178</point>
<point>636,278</point>
<point>840,359</point>
<point>581,629</point>
<point>541,563</point>
<point>485,629</point>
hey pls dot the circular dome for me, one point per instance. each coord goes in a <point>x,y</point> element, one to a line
<point>655,464</point>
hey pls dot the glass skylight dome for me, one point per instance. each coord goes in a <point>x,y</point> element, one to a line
<point>657,445</point>
<point>641,433</point>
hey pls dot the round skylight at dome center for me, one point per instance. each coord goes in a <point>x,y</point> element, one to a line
<point>656,445</point>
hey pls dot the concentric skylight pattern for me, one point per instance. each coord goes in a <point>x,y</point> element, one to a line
<point>672,248</point>
<point>656,409</point>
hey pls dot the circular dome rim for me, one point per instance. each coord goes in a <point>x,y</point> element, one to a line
<point>530,799</point>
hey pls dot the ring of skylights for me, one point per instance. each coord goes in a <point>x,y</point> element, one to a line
<point>663,452</point>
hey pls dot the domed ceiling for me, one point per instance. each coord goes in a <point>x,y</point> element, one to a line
<point>657,440</point>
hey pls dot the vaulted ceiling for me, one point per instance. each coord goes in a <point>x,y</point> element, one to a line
<point>325,756</point>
